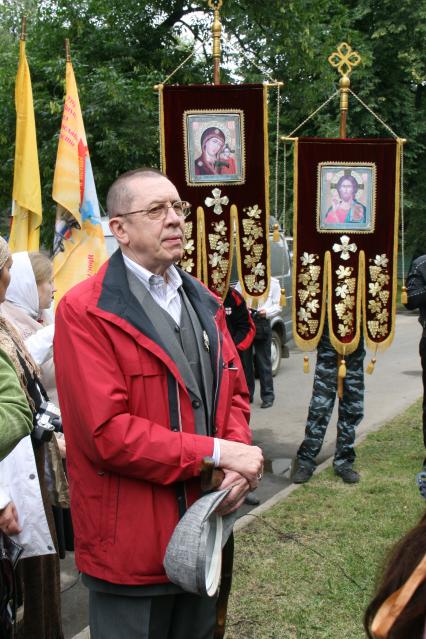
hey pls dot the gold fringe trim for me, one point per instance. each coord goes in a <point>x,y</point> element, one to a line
<point>283,299</point>
<point>247,294</point>
<point>382,346</point>
<point>404,298</point>
<point>233,224</point>
<point>163,167</point>
<point>303,344</point>
<point>266,171</point>
<point>202,269</point>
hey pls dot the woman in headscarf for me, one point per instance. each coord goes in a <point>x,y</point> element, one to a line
<point>25,511</point>
<point>27,306</point>
<point>28,300</point>
<point>15,414</point>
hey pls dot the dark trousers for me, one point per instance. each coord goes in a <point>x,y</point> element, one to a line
<point>261,350</point>
<point>422,350</point>
<point>184,616</point>
<point>351,406</point>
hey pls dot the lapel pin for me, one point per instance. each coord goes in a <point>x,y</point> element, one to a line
<point>206,341</point>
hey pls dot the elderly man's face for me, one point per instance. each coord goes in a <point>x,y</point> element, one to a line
<point>155,244</point>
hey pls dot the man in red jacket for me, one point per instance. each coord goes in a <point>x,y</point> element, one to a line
<point>148,387</point>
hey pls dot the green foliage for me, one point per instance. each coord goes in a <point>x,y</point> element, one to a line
<point>121,49</point>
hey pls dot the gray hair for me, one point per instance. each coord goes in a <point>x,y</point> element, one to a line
<point>120,195</point>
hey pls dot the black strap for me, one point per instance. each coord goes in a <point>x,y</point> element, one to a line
<point>33,383</point>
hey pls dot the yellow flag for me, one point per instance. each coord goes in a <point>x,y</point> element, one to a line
<point>26,206</point>
<point>79,244</point>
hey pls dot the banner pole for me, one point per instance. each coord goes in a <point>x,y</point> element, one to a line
<point>23,28</point>
<point>344,59</point>
<point>344,84</point>
<point>67,50</point>
<point>216,31</point>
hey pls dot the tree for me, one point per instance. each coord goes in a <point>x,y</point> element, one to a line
<point>120,49</point>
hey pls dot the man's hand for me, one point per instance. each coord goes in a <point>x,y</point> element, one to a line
<point>9,520</point>
<point>235,497</point>
<point>243,459</point>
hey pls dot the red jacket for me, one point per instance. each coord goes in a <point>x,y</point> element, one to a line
<point>128,422</point>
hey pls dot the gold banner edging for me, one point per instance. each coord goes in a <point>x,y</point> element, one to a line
<point>267,210</point>
<point>382,346</point>
<point>160,88</point>
<point>202,270</point>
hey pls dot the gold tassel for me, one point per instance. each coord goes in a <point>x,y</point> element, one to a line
<point>283,299</point>
<point>276,233</point>
<point>342,368</point>
<point>341,374</point>
<point>306,364</point>
<point>404,298</point>
<point>370,368</point>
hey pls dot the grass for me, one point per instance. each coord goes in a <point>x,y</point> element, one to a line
<point>307,568</point>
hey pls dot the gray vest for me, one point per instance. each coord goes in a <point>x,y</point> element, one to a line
<point>186,345</point>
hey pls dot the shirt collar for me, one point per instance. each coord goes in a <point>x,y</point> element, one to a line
<point>171,275</point>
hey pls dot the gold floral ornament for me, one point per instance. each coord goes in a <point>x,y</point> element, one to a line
<point>308,294</point>
<point>378,296</point>
<point>345,248</point>
<point>252,244</point>
<point>345,290</point>
<point>218,254</point>
<point>187,263</point>
<point>216,201</point>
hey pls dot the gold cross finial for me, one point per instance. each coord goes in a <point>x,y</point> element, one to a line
<point>344,59</point>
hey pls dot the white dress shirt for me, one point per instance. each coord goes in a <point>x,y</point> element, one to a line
<point>165,291</point>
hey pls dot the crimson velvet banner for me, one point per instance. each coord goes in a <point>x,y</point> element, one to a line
<point>346,194</point>
<point>214,148</point>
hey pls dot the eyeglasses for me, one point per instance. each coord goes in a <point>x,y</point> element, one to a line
<point>159,211</point>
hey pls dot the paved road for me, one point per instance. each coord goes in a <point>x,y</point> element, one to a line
<point>394,385</point>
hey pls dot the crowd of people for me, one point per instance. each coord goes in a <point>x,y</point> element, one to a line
<point>159,389</point>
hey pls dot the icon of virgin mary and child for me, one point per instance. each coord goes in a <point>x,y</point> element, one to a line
<point>215,158</point>
<point>346,208</point>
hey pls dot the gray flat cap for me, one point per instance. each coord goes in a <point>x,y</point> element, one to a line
<point>193,558</point>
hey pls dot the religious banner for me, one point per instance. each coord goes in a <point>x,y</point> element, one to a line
<point>346,194</point>
<point>214,144</point>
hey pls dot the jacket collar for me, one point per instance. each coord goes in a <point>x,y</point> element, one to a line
<point>116,299</point>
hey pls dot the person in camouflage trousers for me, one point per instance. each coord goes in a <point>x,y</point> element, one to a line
<point>351,411</point>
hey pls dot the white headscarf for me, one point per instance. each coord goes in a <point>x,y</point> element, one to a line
<point>22,290</point>
<point>4,252</point>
